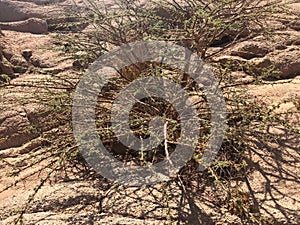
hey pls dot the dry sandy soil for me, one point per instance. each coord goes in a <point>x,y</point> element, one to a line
<point>75,197</point>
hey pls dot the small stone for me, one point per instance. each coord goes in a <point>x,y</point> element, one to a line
<point>277,130</point>
<point>27,53</point>
<point>6,68</point>
<point>281,47</point>
<point>77,64</point>
<point>250,50</point>
<point>8,55</point>
<point>258,66</point>
<point>18,60</point>
<point>23,114</point>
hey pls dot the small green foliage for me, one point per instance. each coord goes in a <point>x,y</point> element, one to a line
<point>4,78</point>
<point>197,25</point>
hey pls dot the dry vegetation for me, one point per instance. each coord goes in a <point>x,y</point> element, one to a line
<point>221,194</point>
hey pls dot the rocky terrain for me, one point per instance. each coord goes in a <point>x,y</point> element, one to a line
<point>31,67</point>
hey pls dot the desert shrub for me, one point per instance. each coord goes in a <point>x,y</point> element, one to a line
<point>206,28</point>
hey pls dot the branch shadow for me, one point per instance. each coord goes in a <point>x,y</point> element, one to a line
<point>274,183</point>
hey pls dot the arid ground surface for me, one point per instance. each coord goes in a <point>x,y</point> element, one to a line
<point>31,60</point>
